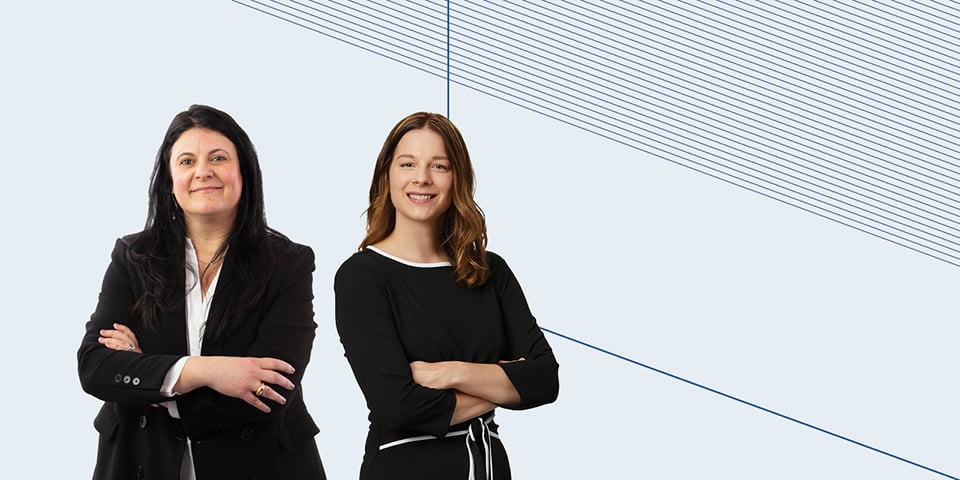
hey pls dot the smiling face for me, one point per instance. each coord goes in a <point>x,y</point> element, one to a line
<point>421,179</point>
<point>205,170</point>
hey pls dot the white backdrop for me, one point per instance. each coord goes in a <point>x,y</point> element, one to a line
<point>631,253</point>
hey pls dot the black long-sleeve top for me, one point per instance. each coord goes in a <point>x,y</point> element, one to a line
<point>390,313</point>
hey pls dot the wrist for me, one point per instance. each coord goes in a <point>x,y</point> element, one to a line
<point>456,373</point>
<point>191,377</point>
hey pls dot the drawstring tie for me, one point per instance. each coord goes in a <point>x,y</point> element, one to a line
<point>479,449</point>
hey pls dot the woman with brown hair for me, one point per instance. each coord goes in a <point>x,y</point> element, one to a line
<point>436,329</point>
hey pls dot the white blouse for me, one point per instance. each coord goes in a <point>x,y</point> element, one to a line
<point>197,308</point>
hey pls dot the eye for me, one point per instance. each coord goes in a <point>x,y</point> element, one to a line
<point>440,166</point>
<point>219,158</point>
<point>406,164</point>
<point>185,162</point>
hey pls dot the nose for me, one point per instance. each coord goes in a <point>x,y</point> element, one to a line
<point>203,169</point>
<point>423,176</point>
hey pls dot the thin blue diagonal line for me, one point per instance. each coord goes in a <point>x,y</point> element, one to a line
<point>926,17</point>
<point>805,179</point>
<point>825,45</point>
<point>448,59</point>
<point>745,402</point>
<point>764,116</point>
<point>760,78</point>
<point>391,17</point>
<point>726,169</point>
<point>927,4</point>
<point>760,75</point>
<point>628,57</point>
<point>692,24</point>
<point>494,66</point>
<point>870,33</point>
<point>861,144</point>
<point>381,26</point>
<point>416,65</point>
<point>941,230</point>
<point>758,189</point>
<point>693,142</point>
<point>863,42</point>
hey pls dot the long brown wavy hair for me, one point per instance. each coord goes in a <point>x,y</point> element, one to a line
<point>463,236</point>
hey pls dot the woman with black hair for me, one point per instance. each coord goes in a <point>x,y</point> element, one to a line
<point>204,325</point>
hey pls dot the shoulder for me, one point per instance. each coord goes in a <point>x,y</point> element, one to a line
<point>501,276</point>
<point>131,239</point>
<point>498,266</point>
<point>284,247</point>
<point>364,260</point>
<point>361,266</point>
<point>127,243</point>
<point>290,254</point>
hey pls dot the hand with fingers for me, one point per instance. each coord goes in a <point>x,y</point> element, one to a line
<point>120,338</point>
<point>251,379</point>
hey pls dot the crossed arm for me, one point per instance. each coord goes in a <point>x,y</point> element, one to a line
<point>479,387</point>
<point>232,377</point>
<point>237,377</point>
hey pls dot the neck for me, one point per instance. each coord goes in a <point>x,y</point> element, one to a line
<point>207,237</point>
<point>414,242</point>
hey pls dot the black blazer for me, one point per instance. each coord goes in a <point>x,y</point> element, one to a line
<point>230,438</point>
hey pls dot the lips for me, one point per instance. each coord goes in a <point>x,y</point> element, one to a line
<point>205,189</point>
<point>420,197</point>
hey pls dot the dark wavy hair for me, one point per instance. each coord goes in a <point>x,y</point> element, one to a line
<point>157,255</point>
<point>463,236</point>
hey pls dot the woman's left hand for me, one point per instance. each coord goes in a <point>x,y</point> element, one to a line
<point>120,338</point>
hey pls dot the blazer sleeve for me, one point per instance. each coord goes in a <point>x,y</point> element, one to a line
<point>117,376</point>
<point>285,330</point>
<point>368,332</point>
<point>537,377</point>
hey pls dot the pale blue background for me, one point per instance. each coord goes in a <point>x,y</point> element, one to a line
<point>639,256</point>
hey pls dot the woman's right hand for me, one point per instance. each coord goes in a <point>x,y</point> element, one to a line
<point>120,338</point>
<point>250,379</point>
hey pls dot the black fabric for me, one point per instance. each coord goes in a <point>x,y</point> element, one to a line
<point>389,314</point>
<point>231,439</point>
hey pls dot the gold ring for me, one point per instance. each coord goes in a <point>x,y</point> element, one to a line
<point>260,390</point>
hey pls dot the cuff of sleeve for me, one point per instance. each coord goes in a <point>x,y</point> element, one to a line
<point>173,375</point>
<point>535,380</point>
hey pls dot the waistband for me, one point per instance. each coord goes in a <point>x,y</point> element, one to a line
<point>477,435</point>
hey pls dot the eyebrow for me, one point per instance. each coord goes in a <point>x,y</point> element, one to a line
<point>215,150</point>
<point>435,157</point>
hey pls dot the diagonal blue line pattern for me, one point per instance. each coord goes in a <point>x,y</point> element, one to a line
<point>845,110</point>
<point>744,402</point>
<point>842,109</point>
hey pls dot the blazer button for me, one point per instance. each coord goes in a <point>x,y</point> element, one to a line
<point>126,379</point>
<point>143,421</point>
<point>136,381</point>
<point>246,434</point>
<point>118,378</point>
